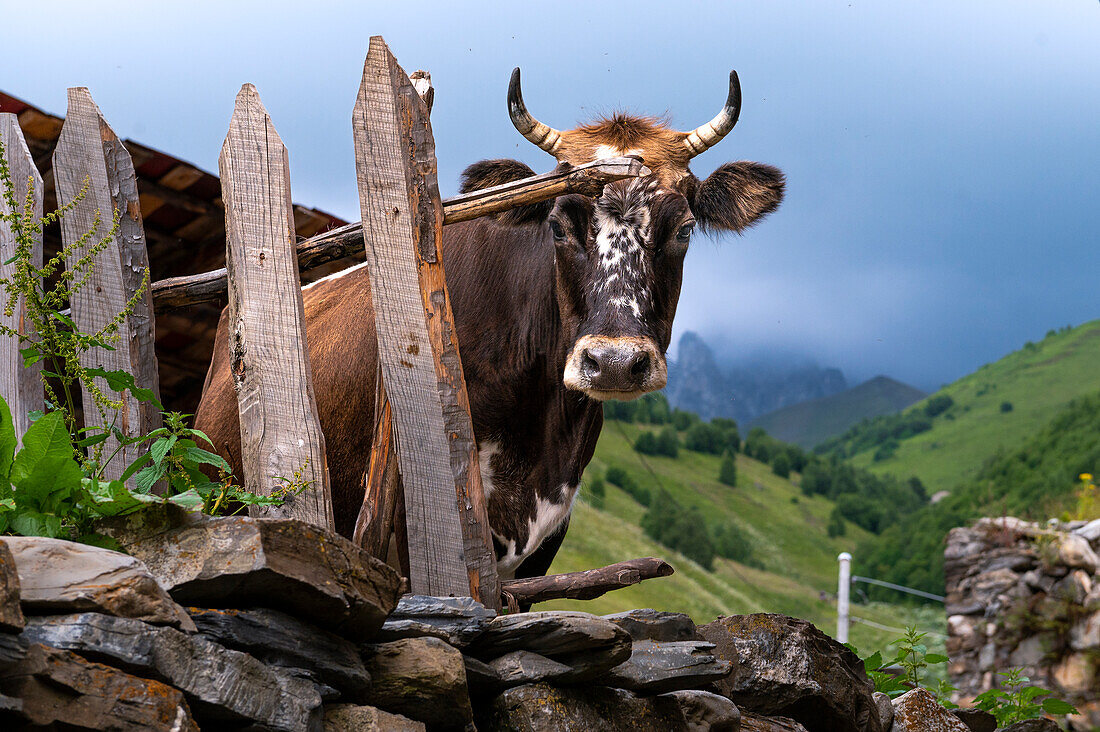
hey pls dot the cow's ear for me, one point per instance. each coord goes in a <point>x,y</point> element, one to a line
<point>737,195</point>
<point>489,173</point>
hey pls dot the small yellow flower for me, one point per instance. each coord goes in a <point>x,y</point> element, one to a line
<point>1085,477</point>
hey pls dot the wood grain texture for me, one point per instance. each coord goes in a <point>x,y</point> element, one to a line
<point>89,150</point>
<point>585,585</point>
<point>374,525</point>
<point>347,240</point>
<point>280,431</point>
<point>21,387</point>
<point>449,547</point>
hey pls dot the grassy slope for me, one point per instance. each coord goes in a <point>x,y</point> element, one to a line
<point>790,539</point>
<point>1039,381</point>
<point>810,423</point>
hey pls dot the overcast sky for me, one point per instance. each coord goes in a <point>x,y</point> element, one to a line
<point>943,157</point>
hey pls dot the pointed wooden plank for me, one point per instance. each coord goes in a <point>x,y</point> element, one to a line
<point>449,545</point>
<point>280,431</point>
<point>89,150</point>
<point>21,387</point>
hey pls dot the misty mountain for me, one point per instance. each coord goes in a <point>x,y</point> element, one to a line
<point>744,389</point>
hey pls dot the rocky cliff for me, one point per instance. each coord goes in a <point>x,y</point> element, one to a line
<point>698,383</point>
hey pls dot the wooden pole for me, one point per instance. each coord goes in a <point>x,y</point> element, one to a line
<point>88,150</point>
<point>21,387</point>
<point>280,432</point>
<point>347,241</point>
<point>585,585</point>
<point>449,545</point>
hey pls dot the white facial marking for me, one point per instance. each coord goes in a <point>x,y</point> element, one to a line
<point>336,275</point>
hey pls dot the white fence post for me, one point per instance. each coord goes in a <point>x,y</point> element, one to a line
<point>844,582</point>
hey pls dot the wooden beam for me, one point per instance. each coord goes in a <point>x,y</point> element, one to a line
<point>449,545</point>
<point>585,585</point>
<point>280,432</point>
<point>88,150</point>
<point>347,241</point>
<point>21,387</point>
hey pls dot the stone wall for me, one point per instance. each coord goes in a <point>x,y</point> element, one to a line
<point>1024,595</point>
<point>236,623</point>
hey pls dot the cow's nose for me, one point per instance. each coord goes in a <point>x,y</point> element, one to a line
<point>615,368</point>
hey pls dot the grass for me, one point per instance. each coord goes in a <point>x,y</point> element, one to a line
<point>799,573</point>
<point>1037,380</point>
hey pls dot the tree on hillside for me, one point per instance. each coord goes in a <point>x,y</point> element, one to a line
<point>836,526</point>
<point>781,465</point>
<point>668,443</point>
<point>682,420</point>
<point>727,473</point>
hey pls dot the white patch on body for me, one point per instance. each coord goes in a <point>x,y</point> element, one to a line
<point>548,517</point>
<point>336,275</point>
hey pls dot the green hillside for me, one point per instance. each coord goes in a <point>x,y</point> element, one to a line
<point>996,408</point>
<point>787,531</point>
<point>1038,480</point>
<point>809,423</point>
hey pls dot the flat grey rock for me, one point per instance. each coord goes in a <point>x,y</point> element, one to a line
<point>655,667</point>
<point>282,640</point>
<point>281,564</point>
<point>655,625</point>
<point>551,634</point>
<point>221,685</point>
<point>706,712</point>
<point>457,620</point>
<point>524,667</point>
<point>976,719</point>
<point>57,576</point>
<point>545,708</point>
<point>60,690</point>
<point>885,709</point>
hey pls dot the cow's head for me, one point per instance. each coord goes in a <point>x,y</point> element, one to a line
<point>620,257</point>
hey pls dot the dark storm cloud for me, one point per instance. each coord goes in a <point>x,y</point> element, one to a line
<point>941,156</point>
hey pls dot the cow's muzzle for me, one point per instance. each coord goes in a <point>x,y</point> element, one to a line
<point>622,368</point>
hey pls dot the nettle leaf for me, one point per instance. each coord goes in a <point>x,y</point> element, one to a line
<point>200,433</point>
<point>936,658</point>
<point>121,381</point>
<point>161,447</point>
<point>205,457</point>
<point>1058,706</point>
<point>135,466</point>
<point>33,523</point>
<point>873,662</point>
<point>145,479</point>
<point>7,441</point>
<point>113,499</point>
<point>188,499</point>
<point>46,464</point>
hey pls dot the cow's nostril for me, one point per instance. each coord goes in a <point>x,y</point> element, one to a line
<point>591,366</point>
<point>640,365</point>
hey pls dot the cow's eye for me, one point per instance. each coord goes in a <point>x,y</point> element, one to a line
<point>557,230</point>
<point>684,234</point>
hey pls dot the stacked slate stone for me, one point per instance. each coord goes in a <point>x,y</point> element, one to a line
<point>239,623</point>
<point>1022,595</point>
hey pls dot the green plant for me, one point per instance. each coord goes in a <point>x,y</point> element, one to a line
<point>1016,701</point>
<point>727,471</point>
<point>912,657</point>
<point>56,485</point>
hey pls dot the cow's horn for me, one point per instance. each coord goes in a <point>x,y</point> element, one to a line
<point>545,137</point>
<point>703,138</point>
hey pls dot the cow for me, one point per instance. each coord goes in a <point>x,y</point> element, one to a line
<point>559,306</point>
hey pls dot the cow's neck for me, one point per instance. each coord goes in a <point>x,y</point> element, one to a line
<point>535,436</point>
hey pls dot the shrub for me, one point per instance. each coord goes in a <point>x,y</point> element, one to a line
<point>619,477</point>
<point>781,465</point>
<point>836,526</point>
<point>1006,406</point>
<point>938,405</point>
<point>668,443</point>
<point>682,420</point>
<point>646,443</point>
<point>727,473</point>
<point>678,528</point>
<point>705,438</point>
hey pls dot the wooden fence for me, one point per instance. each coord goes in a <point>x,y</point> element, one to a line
<point>423,482</point>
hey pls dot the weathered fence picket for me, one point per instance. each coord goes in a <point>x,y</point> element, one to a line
<point>280,431</point>
<point>88,150</point>
<point>21,387</point>
<point>449,545</point>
